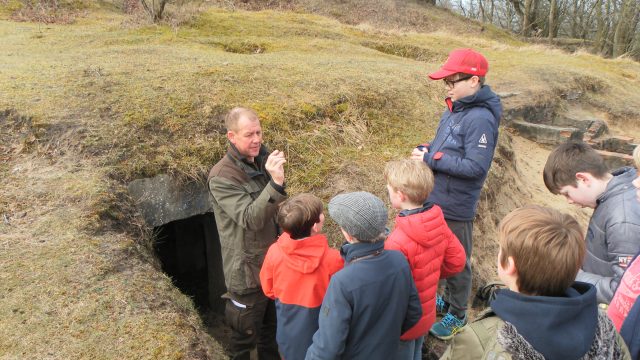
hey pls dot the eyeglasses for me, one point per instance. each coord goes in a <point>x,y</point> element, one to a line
<point>452,83</point>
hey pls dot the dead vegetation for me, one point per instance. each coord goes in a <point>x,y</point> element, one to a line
<point>89,106</point>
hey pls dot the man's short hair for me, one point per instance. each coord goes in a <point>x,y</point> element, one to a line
<point>568,159</point>
<point>298,214</point>
<point>547,247</point>
<point>234,115</point>
<point>412,177</point>
<point>636,156</point>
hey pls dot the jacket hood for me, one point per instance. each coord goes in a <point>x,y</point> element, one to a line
<point>303,255</point>
<point>485,98</point>
<point>621,182</point>
<point>557,327</point>
<point>419,224</point>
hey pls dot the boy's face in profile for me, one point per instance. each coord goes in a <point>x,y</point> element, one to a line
<point>584,193</point>
<point>394,197</point>
<point>461,85</point>
<point>576,196</point>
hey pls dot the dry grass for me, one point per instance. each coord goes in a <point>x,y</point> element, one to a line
<point>107,100</point>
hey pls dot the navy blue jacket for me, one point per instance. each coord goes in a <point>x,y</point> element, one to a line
<point>368,305</point>
<point>461,152</point>
<point>561,327</point>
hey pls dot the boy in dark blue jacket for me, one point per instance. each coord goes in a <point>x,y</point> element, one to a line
<point>460,156</point>
<point>373,300</point>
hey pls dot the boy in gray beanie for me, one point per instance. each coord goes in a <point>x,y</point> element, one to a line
<point>373,300</point>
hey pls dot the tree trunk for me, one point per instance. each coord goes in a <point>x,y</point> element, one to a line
<point>517,6</point>
<point>553,19</point>
<point>574,20</point>
<point>623,35</point>
<point>493,9</point>
<point>529,17</point>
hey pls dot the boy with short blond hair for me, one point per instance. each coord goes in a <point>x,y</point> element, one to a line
<point>423,237</point>
<point>578,172</point>
<point>543,314</point>
<point>296,273</point>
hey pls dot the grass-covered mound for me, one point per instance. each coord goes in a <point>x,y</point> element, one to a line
<point>88,106</point>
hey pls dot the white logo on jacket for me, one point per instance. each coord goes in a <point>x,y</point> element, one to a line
<point>483,141</point>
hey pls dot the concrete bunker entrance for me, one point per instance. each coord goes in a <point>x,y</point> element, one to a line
<point>186,240</point>
<point>189,252</point>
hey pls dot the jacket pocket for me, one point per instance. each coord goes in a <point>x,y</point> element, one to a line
<point>239,318</point>
<point>251,266</point>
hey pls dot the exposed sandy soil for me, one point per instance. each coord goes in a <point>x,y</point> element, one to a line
<point>511,185</point>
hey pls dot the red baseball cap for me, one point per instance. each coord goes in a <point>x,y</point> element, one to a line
<point>462,61</point>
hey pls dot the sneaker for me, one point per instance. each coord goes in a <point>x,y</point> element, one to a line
<point>448,326</point>
<point>442,307</point>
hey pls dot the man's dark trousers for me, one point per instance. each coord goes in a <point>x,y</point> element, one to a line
<point>254,325</point>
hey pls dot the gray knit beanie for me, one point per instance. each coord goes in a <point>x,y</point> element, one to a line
<point>361,214</point>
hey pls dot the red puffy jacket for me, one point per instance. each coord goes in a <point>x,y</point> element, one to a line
<point>433,252</point>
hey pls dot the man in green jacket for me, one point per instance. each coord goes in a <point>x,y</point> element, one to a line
<point>247,185</point>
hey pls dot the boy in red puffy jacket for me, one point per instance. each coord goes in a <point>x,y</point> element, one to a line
<point>296,273</point>
<point>422,235</point>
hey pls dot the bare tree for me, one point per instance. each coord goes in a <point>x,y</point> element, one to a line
<point>625,28</point>
<point>609,27</point>
<point>154,8</point>
<point>553,19</point>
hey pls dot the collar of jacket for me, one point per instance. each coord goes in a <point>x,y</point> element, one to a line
<point>621,181</point>
<point>480,98</point>
<point>254,168</point>
<point>353,252</point>
<point>426,206</point>
<point>540,319</point>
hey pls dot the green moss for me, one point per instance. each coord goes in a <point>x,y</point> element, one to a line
<point>403,50</point>
<point>244,47</point>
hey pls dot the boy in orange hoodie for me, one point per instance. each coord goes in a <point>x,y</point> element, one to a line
<point>422,235</point>
<point>296,273</point>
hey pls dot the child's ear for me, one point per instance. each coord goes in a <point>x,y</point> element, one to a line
<point>401,196</point>
<point>584,177</point>
<point>510,267</point>
<point>347,237</point>
<point>475,81</point>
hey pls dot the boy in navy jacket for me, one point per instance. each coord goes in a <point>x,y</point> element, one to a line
<point>460,156</point>
<point>373,300</point>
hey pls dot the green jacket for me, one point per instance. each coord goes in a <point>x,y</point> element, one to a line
<point>245,202</point>
<point>491,338</point>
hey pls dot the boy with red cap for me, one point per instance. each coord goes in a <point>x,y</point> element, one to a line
<point>460,156</point>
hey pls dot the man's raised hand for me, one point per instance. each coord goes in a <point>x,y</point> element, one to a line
<point>275,166</point>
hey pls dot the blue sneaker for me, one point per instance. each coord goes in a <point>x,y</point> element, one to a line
<point>442,307</point>
<point>448,326</point>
